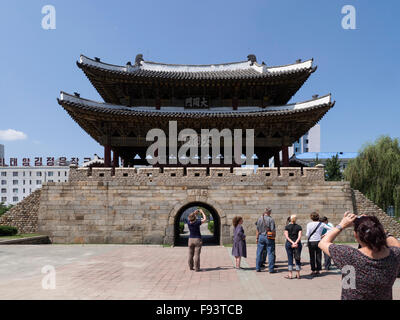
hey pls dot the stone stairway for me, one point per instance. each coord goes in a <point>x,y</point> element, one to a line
<point>362,205</point>
<point>24,216</point>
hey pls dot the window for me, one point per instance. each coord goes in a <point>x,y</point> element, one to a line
<point>3,199</point>
<point>50,173</point>
<point>24,182</point>
<point>23,173</point>
<point>30,181</point>
<point>38,174</point>
<point>65,173</point>
<point>3,190</point>
<point>23,190</point>
<point>3,182</point>
<point>30,173</point>
<point>15,190</point>
<point>15,182</point>
<point>306,149</point>
<point>15,174</point>
<point>4,174</point>
<point>50,180</point>
<point>306,141</point>
<point>38,182</point>
<point>15,199</point>
<point>59,173</point>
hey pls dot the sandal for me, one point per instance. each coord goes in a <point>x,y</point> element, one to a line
<point>287,277</point>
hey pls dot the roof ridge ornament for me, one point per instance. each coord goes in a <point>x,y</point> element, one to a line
<point>252,58</point>
<point>139,59</point>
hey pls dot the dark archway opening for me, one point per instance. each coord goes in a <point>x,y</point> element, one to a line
<point>211,234</point>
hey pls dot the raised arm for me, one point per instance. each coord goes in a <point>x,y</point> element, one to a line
<point>204,219</point>
<point>392,242</point>
<point>326,241</point>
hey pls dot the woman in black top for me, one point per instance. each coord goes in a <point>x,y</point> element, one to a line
<point>293,246</point>
<point>195,242</point>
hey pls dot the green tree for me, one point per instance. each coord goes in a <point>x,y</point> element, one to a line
<point>376,172</point>
<point>4,208</point>
<point>317,161</point>
<point>332,169</point>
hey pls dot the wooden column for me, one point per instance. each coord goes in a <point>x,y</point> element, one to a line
<point>107,156</point>
<point>285,156</point>
<point>115,159</point>
<point>277,161</point>
<point>235,99</point>
<point>158,100</point>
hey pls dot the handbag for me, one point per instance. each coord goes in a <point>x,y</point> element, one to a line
<point>311,234</point>
<point>271,235</point>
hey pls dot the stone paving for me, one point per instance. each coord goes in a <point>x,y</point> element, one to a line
<point>153,272</point>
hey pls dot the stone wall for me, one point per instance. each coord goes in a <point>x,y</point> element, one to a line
<point>140,206</point>
<point>365,206</point>
<point>24,216</point>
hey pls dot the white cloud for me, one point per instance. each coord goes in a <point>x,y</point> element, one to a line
<point>12,135</point>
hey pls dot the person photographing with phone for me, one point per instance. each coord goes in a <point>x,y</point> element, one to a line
<point>368,272</point>
<point>195,241</point>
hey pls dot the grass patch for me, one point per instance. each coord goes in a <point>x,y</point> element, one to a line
<point>19,236</point>
<point>228,245</point>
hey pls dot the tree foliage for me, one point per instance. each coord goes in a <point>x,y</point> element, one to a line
<point>332,169</point>
<point>4,208</point>
<point>376,172</point>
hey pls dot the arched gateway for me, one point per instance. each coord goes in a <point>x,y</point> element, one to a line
<point>208,239</point>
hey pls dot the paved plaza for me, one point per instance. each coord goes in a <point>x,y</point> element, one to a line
<point>153,272</point>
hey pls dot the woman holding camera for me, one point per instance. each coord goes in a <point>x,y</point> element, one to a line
<point>368,272</point>
<point>195,241</point>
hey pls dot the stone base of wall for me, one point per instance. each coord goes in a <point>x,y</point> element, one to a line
<point>24,216</point>
<point>140,207</point>
<point>124,211</point>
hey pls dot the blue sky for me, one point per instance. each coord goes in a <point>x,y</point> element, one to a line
<point>359,67</point>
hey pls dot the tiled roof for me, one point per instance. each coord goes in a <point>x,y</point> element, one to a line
<point>234,70</point>
<point>84,104</point>
<point>325,155</point>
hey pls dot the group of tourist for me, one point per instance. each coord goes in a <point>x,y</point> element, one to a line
<point>374,266</point>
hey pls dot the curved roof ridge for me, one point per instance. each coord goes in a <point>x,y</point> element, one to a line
<point>195,65</point>
<point>192,68</point>
<point>324,100</point>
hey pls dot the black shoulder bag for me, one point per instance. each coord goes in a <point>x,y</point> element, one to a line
<point>309,237</point>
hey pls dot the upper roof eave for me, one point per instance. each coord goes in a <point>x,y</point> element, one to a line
<point>224,70</point>
<point>77,102</point>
